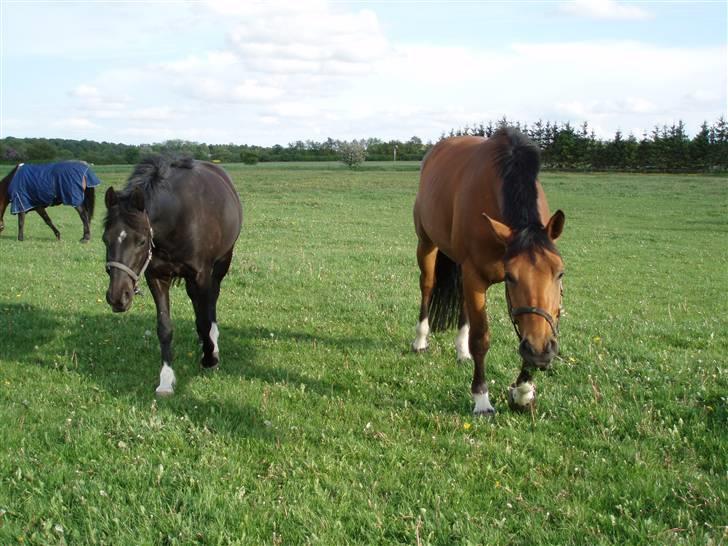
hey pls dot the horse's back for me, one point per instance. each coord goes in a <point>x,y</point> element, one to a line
<point>458,182</point>
<point>209,205</point>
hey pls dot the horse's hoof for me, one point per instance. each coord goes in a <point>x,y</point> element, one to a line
<point>210,365</point>
<point>522,398</point>
<point>84,241</point>
<point>485,414</point>
<point>164,392</point>
<point>418,350</point>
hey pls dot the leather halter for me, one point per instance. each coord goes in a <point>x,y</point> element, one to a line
<point>513,313</point>
<point>128,270</point>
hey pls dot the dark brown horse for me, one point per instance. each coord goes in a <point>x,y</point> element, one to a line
<point>481,218</point>
<point>175,219</point>
<point>38,186</point>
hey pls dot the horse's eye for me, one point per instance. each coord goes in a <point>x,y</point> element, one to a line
<point>142,242</point>
<point>560,276</point>
<point>510,279</point>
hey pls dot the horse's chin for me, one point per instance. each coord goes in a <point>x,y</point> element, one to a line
<point>121,308</point>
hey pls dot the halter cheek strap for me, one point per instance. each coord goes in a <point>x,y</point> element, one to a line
<point>128,270</point>
<point>513,313</point>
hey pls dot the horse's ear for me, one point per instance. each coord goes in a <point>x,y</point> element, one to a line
<point>556,225</point>
<point>137,199</point>
<point>110,198</point>
<point>501,231</point>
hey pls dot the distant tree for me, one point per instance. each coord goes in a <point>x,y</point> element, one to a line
<point>249,157</point>
<point>352,153</point>
<point>12,155</point>
<point>131,155</point>
<point>41,151</point>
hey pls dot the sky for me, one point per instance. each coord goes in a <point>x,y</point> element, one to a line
<point>274,72</point>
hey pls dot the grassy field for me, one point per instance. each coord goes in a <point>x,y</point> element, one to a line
<point>321,427</point>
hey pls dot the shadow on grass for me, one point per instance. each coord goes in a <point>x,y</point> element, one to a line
<point>120,353</point>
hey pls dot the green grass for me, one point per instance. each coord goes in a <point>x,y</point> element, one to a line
<point>321,427</point>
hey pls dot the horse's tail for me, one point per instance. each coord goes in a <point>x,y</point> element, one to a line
<point>519,160</point>
<point>447,296</point>
<point>89,200</point>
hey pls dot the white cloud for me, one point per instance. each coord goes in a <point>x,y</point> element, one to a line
<point>310,38</point>
<point>157,113</point>
<point>85,92</point>
<point>604,10</point>
<point>75,124</point>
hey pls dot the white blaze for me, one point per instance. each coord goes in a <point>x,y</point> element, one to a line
<point>122,236</point>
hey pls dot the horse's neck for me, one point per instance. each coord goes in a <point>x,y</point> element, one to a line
<point>4,187</point>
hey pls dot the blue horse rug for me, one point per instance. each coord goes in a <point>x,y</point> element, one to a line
<point>50,184</point>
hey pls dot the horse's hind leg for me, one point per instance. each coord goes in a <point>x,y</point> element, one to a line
<point>85,220</point>
<point>21,226</point>
<point>461,341</point>
<point>47,219</point>
<point>219,271</point>
<point>426,256</point>
<point>204,293</point>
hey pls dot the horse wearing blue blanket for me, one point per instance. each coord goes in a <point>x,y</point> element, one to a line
<point>35,187</point>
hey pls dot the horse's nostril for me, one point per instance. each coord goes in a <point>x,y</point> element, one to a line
<point>526,349</point>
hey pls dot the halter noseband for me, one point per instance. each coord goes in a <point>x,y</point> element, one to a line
<point>513,313</point>
<point>128,270</point>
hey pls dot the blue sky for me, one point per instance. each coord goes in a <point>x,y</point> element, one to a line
<point>275,72</point>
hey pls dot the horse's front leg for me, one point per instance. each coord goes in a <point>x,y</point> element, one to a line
<point>21,226</point>
<point>160,292</point>
<point>83,213</point>
<point>47,219</point>
<point>522,393</point>
<point>478,339</point>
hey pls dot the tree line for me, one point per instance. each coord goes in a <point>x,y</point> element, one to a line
<point>564,146</point>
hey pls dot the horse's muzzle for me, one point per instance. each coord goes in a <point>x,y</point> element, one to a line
<point>121,303</point>
<point>541,360</point>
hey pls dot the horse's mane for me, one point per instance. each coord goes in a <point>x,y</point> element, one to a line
<point>150,174</point>
<point>154,171</point>
<point>519,160</point>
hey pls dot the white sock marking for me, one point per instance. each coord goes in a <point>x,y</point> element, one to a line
<point>167,380</point>
<point>482,403</point>
<point>214,335</point>
<point>461,343</point>
<point>420,342</point>
<point>524,394</point>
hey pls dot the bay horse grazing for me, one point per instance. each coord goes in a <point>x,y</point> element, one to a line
<point>481,218</point>
<point>174,219</point>
<point>38,186</point>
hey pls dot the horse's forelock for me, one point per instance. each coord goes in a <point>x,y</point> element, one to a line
<point>531,239</point>
<point>127,213</point>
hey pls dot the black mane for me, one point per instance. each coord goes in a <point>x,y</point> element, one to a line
<point>519,161</point>
<point>150,174</point>
<point>530,239</point>
<point>154,171</point>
